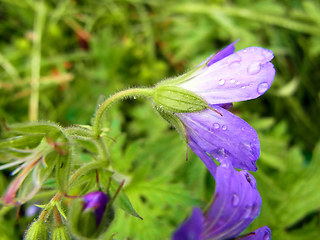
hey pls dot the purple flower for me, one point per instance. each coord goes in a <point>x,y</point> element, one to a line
<point>225,78</point>
<point>96,201</point>
<point>236,203</point>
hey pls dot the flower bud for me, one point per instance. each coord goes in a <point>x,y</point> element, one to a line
<point>60,233</point>
<point>90,216</point>
<point>38,230</point>
<point>176,99</point>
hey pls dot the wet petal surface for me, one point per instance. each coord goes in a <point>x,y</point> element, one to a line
<point>243,75</point>
<point>236,203</point>
<point>225,137</point>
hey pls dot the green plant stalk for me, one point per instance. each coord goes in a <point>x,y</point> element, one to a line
<point>133,92</point>
<point>36,61</point>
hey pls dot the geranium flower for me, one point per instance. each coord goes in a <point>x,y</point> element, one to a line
<point>222,79</point>
<point>236,203</point>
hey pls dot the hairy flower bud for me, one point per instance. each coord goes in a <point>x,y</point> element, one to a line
<point>176,99</point>
<point>38,230</point>
<point>60,233</point>
<point>90,216</point>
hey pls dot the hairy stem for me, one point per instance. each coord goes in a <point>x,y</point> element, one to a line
<point>134,92</point>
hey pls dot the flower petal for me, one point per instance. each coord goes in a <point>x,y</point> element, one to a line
<point>236,203</point>
<point>243,75</point>
<point>190,229</point>
<point>221,54</point>
<point>261,233</point>
<point>223,137</point>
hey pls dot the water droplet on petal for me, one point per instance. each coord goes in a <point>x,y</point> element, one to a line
<point>263,87</point>
<point>235,200</point>
<point>234,64</point>
<point>254,68</point>
<point>232,81</point>
<point>266,236</point>
<point>222,82</point>
<point>247,213</point>
<point>224,127</point>
<point>216,125</point>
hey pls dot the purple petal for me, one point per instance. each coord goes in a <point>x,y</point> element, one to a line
<point>236,203</point>
<point>223,137</point>
<point>263,233</point>
<point>243,75</point>
<point>98,202</point>
<point>221,54</point>
<point>190,229</point>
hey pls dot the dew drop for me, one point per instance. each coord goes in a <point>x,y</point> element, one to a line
<point>222,82</point>
<point>263,87</point>
<point>134,97</point>
<point>235,200</point>
<point>224,127</point>
<point>254,68</point>
<point>216,125</point>
<point>234,64</point>
<point>247,212</point>
<point>266,236</point>
<point>232,81</point>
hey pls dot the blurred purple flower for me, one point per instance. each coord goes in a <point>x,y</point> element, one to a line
<point>96,201</point>
<point>236,203</point>
<point>225,78</point>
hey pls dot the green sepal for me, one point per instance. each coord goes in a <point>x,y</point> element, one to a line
<point>175,122</point>
<point>35,127</point>
<point>60,233</point>
<point>176,99</point>
<point>27,141</point>
<point>63,171</point>
<point>38,230</point>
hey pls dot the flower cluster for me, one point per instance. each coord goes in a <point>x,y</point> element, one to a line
<point>212,131</point>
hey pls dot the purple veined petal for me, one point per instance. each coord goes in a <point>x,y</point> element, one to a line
<point>223,137</point>
<point>221,54</point>
<point>236,203</point>
<point>263,233</point>
<point>243,75</point>
<point>98,202</point>
<point>192,228</point>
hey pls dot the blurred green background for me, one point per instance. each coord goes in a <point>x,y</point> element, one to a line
<point>83,51</point>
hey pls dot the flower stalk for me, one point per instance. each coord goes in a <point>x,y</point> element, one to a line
<point>133,92</point>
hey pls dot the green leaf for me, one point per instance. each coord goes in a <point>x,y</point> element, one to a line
<point>123,201</point>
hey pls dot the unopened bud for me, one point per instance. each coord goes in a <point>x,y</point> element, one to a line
<point>60,233</point>
<point>91,216</point>
<point>38,230</point>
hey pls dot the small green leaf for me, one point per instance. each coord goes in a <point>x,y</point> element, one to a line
<point>123,201</point>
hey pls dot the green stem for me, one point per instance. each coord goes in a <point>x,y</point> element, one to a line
<point>133,92</point>
<point>36,61</point>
